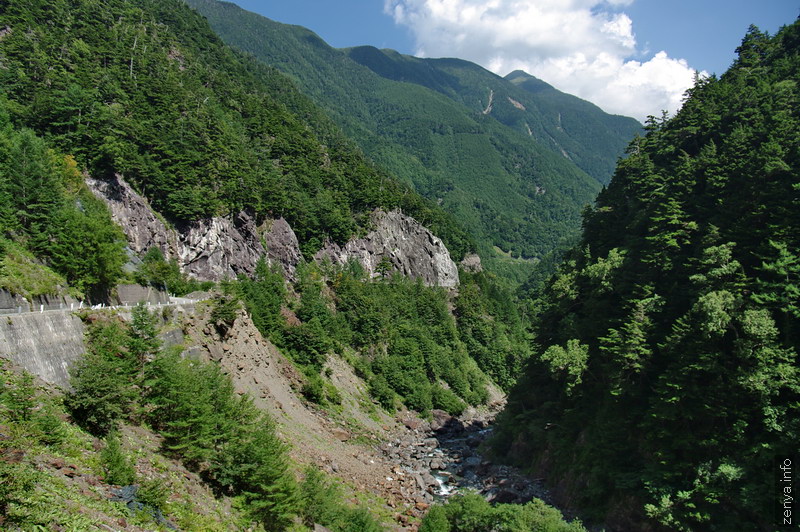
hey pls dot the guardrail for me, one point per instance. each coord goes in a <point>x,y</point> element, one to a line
<point>173,301</point>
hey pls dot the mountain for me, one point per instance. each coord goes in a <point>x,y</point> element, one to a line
<point>665,380</point>
<point>565,124</point>
<point>136,147</point>
<point>511,174</point>
<point>155,96</point>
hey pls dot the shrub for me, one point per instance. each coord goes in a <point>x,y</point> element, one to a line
<point>154,493</point>
<point>118,467</point>
<point>446,400</point>
<point>20,397</point>
<point>382,392</point>
<point>313,388</point>
<point>470,512</point>
<point>50,429</point>
<point>223,312</point>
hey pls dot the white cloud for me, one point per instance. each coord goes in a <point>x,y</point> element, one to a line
<point>583,47</point>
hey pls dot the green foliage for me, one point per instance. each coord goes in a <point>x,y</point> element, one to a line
<point>263,295</point>
<point>224,310</point>
<point>545,152</point>
<point>314,388</point>
<point>493,330</point>
<point>471,513</point>
<point>415,340</point>
<point>21,273</point>
<point>678,313</point>
<point>223,133</point>
<point>47,213</point>
<point>412,349</point>
<point>20,398</point>
<point>156,271</point>
<point>194,407</point>
<point>567,364</point>
<point>153,493</point>
<point>380,390</point>
<point>447,400</point>
<point>118,467</point>
<point>36,495</point>
<point>143,342</point>
<point>86,247</point>
<point>321,503</point>
<point>17,486</point>
<point>204,422</point>
<point>102,380</point>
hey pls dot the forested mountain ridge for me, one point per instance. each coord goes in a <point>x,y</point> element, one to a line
<point>565,124</point>
<point>141,96</point>
<point>665,377</point>
<point>148,91</point>
<point>516,193</point>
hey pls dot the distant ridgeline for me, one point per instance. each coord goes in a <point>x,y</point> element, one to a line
<point>514,161</point>
<point>665,383</point>
<point>146,90</point>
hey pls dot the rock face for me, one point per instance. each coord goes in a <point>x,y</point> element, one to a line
<point>133,213</point>
<point>218,247</point>
<point>210,249</point>
<point>411,249</point>
<point>283,247</point>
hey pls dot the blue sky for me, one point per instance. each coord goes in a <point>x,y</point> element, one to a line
<point>632,57</point>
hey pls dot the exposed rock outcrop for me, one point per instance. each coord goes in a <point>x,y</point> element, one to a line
<point>471,263</point>
<point>283,247</point>
<point>209,249</point>
<point>133,213</point>
<point>215,248</point>
<point>411,249</point>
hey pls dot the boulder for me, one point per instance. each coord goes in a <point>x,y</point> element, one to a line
<point>471,263</point>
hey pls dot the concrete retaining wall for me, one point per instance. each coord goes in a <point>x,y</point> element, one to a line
<point>45,344</point>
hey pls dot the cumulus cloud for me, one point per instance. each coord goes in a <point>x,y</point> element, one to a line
<point>583,47</point>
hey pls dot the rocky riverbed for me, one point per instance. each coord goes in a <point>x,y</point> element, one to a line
<point>437,458</point>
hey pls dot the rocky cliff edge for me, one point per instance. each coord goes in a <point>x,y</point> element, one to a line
<point>210,249</point>
<point>401,244</point>
<point>226,246</point>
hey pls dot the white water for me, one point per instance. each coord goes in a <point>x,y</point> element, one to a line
<point>445,488</point>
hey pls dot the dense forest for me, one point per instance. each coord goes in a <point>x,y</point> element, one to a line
<point>664,380</point>
<point>56,237</point>
<point>148,91</point>
<point>145,90</point>
<point>653,379</point>
<point>516,177</point>
<point>202,131</point>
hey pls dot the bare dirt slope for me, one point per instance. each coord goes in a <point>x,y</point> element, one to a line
<point>348,441</point>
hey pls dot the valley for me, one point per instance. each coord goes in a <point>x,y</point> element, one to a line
<point>250,281</point>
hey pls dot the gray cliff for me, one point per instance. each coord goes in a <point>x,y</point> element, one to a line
<point>208,250</point>
<point>282,247</point>
<point>411,249</point>
<point>216,248</point>
<point>132,212</point>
